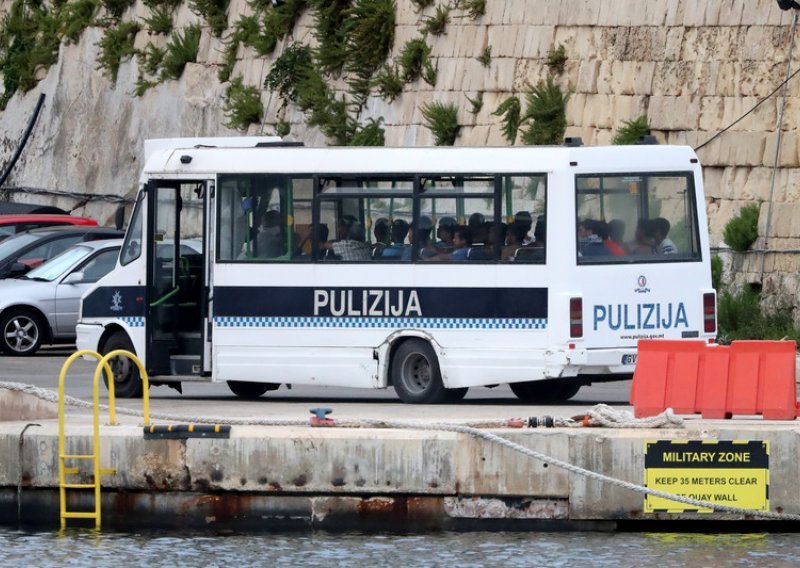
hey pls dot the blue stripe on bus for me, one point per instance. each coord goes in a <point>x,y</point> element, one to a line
<point>387,322</point>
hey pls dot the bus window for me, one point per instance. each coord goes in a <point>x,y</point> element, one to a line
<point>524,206</point>
<point>636,218</point>
<point>264,218</point>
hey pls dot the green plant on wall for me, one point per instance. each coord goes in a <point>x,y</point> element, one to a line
<point>511,112</point>
<point>485,58</point>
<point>160,20</point>
<point>422,4</point>
<point>369,30</point>
<point>546,112</point>
<point>370,134</point>
<point>415,61</point>
<point>437,23</point>
<point>181,49</point>
<point>278,22</point>
<point>716,272</point>
<point>243,105</point>
<point>742,230</point>
<point>476,104</point>
<point>116,8</point>
<point>329,30</point>
<point>214,12</point>
<point>557,59</point>
<point>117,46</point>
<point>389,83</point>
<point>631,131</point>
<point>442,120</point>
<point>474,8</point>
<point>75,17</point>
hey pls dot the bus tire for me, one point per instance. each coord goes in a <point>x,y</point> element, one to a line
<point>415,373</point>
<point>552,390</point>
<point>21,332</point>
<point>455,395</point>
<point>250,391</point>
<point>127,383</point>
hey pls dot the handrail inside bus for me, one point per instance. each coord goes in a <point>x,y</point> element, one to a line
<point>165,297</point>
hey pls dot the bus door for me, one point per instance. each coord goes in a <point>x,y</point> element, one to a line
<point>177,287</point>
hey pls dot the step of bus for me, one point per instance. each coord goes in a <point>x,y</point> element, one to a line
<point>185,364</point>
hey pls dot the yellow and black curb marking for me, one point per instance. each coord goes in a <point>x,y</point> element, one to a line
<point>183,431</point>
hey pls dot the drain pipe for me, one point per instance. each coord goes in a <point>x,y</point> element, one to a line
<point>778,147</point>
<point>19,482</point>
<point>24,141</point>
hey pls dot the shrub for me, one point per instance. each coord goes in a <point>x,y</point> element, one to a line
<point>214,12</point>
<point>415,59</point>
<point>740,316</point>
<point>229,61</point>
<point>437,24</point>
<point>716,272</point>
<point>547,110</point>
<point>422,4</point>
<point>511,112</point>
<point>288,72</point>
<point>556,59</point>
<point>151,59</point>
<point>117,46</point>
<point>442,120</point>
<point>181,49</point>
<point>370,134</point>
<point>329,29</point>
<point>485,58</point>
<point>476,104</point>
<point>370,35</point>
<point>76,17</point>
<point>389,83</point>
<point>279,21</point>
<point>160,20</point>
<point>475,8</point>
<point>742,230</point>
<point>116,8</point>
<point>283,128</point>
<point>242,105</point>
<point>631,131</point>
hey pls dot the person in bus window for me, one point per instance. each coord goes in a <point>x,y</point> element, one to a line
<point>478,229</point>
<point>421,239</point>
<point>381,231</point>
<point>658,231</point>
<point>615,229</point>
<point>462,245</point>
<point>447,227</point>
<point>524,220</point>
<point>642,243</point>
<point>590,243</point>
<point>399,234</point>
<point>350,245</point>
<point>269,241</point>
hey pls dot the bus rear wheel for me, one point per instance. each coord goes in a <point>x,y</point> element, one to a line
<point>127,383</point>
<point>415,374</point>
<point>553,390</point>
<point>250,391</point>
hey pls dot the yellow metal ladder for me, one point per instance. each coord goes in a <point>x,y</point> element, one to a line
<point>63,470</point>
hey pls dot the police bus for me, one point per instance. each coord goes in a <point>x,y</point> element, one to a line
<point>429,270</point>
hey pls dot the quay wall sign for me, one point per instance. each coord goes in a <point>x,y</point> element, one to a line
<point>733,473</point>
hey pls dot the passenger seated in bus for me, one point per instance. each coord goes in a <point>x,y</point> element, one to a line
<point>590,243</point>
<point>643,243</point>
<point>462,244</point>
<point>477,228</point>
<point>447,227</point>
<point>399,234</point>
<point>615,231</point>
<point>350,245</point>
<point>270,241</point>
<point>381,232</point>
<point>524,220</point>
<point>421,240</point>
<point>535,251</point>
<point>658,229</point>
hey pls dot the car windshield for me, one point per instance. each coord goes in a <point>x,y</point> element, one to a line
<point>57,265</point>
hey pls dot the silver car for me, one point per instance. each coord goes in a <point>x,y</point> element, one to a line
<point>42,306</point>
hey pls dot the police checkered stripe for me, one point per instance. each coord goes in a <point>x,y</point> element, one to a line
<point>133,321</point>
<point>384,322</point>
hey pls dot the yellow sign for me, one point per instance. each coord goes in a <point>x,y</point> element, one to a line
<point>733,473</point>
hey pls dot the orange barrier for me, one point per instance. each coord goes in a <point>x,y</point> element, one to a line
<point>692,377</point>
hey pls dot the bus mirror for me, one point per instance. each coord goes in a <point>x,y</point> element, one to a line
<point>119,217</point>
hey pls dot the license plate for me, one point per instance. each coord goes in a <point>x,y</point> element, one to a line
<point>629,359</point>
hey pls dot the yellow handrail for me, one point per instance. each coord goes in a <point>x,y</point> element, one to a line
<point>102,365</point>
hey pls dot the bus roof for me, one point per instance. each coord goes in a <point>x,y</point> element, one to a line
<point>213,157</point>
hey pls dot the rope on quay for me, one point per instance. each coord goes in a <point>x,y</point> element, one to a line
<point>600,414</point>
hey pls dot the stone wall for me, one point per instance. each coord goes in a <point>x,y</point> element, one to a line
<point>691,66</point>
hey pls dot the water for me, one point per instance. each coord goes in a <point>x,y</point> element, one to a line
<point>507,549</point>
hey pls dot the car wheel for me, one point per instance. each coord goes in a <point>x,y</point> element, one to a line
<point>127,383</point>
<point>554,390</point>
<point>415,373</point>
<point>21,333</point>
<point>250,391</point>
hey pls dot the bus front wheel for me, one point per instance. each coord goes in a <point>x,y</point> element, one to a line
<point>127,383</point>
<point>415,374</point>
<point>553,390</point>
<point>250,391</point>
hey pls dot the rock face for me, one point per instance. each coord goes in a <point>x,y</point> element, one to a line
<point>692,67</point>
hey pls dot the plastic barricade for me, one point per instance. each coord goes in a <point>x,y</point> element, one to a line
<point>691,377</point>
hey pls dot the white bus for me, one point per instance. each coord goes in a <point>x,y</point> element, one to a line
<point>429,270</point>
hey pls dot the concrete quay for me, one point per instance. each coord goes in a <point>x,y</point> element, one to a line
<point>279,477</point>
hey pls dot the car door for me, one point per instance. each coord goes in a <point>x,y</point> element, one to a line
<point>68,294</point>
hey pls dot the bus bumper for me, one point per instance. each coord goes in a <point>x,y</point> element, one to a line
<point>88,336</point>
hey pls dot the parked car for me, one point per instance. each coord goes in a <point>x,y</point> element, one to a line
<point>42,306</point>
<point>20,253</point>
<point>12,224</point>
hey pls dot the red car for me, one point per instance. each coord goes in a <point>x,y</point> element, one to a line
<point>12,224</point>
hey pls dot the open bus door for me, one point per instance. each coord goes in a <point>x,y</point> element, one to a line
<point>177,308</point>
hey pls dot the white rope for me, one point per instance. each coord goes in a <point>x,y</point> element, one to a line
<point>601,414</point>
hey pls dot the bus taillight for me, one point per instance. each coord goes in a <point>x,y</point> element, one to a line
<point>576,317</point>
<point>709,312</point>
